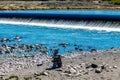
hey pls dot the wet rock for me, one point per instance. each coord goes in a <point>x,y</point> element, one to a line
<point>93,50</point>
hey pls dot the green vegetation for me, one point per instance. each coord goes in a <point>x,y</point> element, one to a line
<point>38,77</point>
<point>117,2</point>
<point>27,78</point>
<point>12,77</point>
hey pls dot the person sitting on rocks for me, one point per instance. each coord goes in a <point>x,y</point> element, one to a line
<point>57,62</point>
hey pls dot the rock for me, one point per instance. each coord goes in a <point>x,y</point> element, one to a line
<point>59,70</point>
<point>69,75</point>
<point>115,67</point>
<point>74,75</point>
<point>93,50</point>
<point>39,64</point>
<point>110,67</point>
<point>78,74</point>
<point>98,70</point>
<point>72,71</point>
<point>86,72</point>
<point>94,65</point>
<point>87,66</point>
<point>103,78</point>
<point>96,2</point>
<point>83,65</point>
<point>90,69</point>
<point>80,71</point>
<point>94,58</point>
<point>102,66</point>
<point>36,74</point>
<point>67,71</point>
<point>45,73</point>
<point>107,68</point>
<point>1,78</point>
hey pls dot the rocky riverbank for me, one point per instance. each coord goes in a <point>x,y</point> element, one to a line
<point>96,65</point>
<point>43,5</point>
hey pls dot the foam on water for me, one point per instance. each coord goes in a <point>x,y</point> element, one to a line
<point>90,25</point>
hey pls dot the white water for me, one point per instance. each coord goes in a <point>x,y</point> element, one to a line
<point>89,25</point>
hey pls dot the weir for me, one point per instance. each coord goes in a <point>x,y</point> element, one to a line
<point>82,24</point>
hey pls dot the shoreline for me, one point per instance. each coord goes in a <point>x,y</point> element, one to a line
<point>72,63</point>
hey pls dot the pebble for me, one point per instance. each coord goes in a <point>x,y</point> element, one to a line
<point>115,67</point>
<point>45,73</point>
<point>72,71</point>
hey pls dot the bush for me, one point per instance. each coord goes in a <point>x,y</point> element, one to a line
<point>12,77</point>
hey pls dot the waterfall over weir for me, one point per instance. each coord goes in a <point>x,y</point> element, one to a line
<point>90,25</point>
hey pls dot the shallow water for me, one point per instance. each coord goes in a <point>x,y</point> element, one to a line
<point>53,36</point>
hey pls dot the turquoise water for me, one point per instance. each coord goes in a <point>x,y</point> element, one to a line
<point>52,36</point>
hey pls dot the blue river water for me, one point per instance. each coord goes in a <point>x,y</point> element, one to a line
<point>52,36</point>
